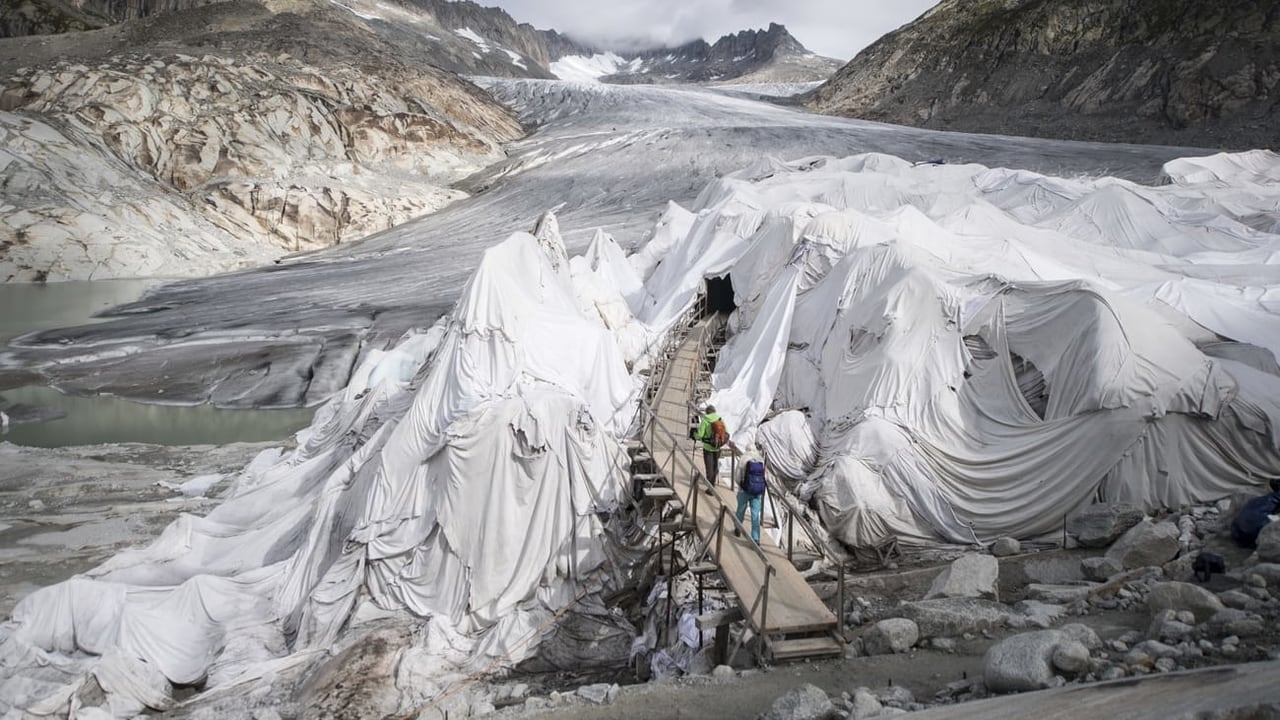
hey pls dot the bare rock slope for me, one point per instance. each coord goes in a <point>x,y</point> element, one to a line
<point>224,136</point>
<point>1167,71</point>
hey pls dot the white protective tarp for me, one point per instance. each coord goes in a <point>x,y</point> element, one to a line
<point>981,352</point>
<point>459,477</point>
<point>952,353</point>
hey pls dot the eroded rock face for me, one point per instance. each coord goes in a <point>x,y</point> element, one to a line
<point>178,165</point>
<point>1176,71</point>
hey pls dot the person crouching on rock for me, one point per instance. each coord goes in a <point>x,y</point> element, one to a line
<point>1254,516</point>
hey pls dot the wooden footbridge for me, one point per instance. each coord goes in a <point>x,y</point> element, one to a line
<point>776,601</point>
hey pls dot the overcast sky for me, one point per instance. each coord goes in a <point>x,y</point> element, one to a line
<point>836,28</point>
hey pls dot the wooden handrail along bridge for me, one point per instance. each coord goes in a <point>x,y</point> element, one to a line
<point>777,603</point>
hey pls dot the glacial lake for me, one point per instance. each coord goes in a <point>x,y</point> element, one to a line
<point>27,307</point>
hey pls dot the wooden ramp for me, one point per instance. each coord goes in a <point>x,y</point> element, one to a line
<point>775,599</point>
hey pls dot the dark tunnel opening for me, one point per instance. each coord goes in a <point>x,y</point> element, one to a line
<point>720,295</point>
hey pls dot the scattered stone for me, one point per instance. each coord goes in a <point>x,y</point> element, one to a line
<point>1166,665</point>
<point>36,504</point>
<point>1100,568</point>
<point>892,635</point>
<point>864,704</point>
<point>1115,672</point>
<point>1059,594</point>
<point>1005,546</point>
<point>1238,600</point>
<point>807,702</point>
<point>1156,649</point>
<point>954,617</point>
<point>1180,568</point>
<point>1232,622</point>
<point>1145,544</point>
<point>1173,631</point>
<point>1119,646</point>
<point>1185,616</point>
<point>943,644</point>
<point>723,672</point>
<point>895,695</point>
<point>599,693</point>
<point>853,648</point>
<point>1269,543</point>
<point>1269,572</point>
<point>1071,658</point>
<point>968,576</point>
<point>1183,596</point>
<point>1039,614</point>
<point>1099,525</point>
<point>1255,580</point>
<point>1053,570</point>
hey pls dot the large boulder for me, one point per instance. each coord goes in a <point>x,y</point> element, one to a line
<point>1099,525</point>
<point>807,702</point>
<point>951,617</point>
<point>1006,546</point>
<point>1178,596</point>
<point>893,635</point>
<point>1100,568</point>
<point>1145,544</point>
<point>864,704</point>
<point>1270,572</point>
<point>972,576</point>
<point>1269,543</point>
<point>1027,662</point>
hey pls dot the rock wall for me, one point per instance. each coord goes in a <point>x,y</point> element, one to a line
<point>174,164</point>
<point>1167,71</point>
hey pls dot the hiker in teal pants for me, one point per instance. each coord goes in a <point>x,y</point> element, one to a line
<point>751,488</point>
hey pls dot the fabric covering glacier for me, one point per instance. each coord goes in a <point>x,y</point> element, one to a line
<point>460,476</point>
<point>955,353</point>
<point>932,353</point>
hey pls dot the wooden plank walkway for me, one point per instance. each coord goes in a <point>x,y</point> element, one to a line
<point>792,607</point>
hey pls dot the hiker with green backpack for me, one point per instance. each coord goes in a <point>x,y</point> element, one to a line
<point>713,435</point>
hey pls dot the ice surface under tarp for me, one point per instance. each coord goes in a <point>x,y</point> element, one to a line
<point>460,477</point>
<point>957,353</point>
<point>1094,292</point>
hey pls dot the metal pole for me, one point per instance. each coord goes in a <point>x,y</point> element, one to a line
<point>720,532</point>
<point>791,528</point>
<point>840,600</point>
<point>764,605</point>
<point>671,589</point>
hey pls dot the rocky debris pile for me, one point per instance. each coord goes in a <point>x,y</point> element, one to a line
<point>182,165</point>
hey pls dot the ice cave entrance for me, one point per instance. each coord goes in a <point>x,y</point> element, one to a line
<point>720,295</point>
